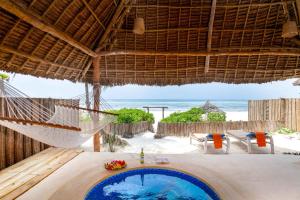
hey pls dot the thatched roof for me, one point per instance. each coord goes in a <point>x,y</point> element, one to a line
<point>185,41</point>
<point>209,107</point>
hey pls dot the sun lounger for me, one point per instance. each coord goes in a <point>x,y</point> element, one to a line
<point>243,137</point>
<point>204,139</point>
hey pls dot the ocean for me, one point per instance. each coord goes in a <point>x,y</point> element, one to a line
<point>179,104</point>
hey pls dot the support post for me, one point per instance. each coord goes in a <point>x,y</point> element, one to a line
<point>87,96</point>
<point>96,93</point>
<point>298,10</point>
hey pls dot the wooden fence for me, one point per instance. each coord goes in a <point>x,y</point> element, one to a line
<point>285,110</point>
<point>128,130</point>
<point>14,146</point>
<point>184,129</point>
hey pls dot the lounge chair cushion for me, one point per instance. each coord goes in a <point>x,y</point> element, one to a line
<point>253,135</point>
<point>210,136</point>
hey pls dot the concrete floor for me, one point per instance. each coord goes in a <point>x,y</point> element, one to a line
<point>233,176</point>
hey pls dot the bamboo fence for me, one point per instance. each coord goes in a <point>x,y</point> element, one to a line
<point>14,146</point>
<point>184,129</point>
<point>285,110</point>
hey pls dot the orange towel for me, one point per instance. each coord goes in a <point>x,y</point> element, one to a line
<point>261,139</point>
<point>217,141</point>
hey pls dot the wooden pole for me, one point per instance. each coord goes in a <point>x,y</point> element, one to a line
<point>96,93</point>
<point>209,34</point>
<point>87,97</point>
<point>38,22</point>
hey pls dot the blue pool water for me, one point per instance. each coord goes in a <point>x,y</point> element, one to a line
<point>151,184</point>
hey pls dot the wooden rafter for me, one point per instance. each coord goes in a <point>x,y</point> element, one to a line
<point>119,24</point>
<point>284,52</point>
<point>209,34</point>
<point>93,13</point>
<point>34,58</point>
<point>298,9</point>
<point>67,29</point>
<point>38,22</point>
<point>105,34</point>
<point>111,24</point>
<point>29,33</point>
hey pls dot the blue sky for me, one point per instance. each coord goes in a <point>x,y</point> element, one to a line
<point>40,87</point>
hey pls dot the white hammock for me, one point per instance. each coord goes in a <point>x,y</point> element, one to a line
<point>67,127</point>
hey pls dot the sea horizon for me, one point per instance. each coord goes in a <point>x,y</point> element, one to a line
<point>180,104</point>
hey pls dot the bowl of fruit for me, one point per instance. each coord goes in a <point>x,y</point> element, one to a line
<point>115,165</point>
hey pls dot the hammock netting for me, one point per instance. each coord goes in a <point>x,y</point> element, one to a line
<point>67,126</point>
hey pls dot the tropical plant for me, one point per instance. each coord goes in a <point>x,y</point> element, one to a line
<point>285,131</point>
<point>216,117</point>
<point>126,115</point>
<point>192,115</point>
<point>4,76</point>
<point>111,139</point>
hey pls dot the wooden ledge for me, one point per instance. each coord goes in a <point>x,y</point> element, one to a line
<point>91,110</point>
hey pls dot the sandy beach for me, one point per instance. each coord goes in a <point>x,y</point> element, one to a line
<point>180,145</point>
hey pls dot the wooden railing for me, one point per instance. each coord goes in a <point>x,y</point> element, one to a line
<point>184,129</point>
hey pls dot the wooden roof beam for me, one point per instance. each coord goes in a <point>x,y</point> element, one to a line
<point>285,52</point>
<point>212,69</point>
<point>208,6</point>
<point>199,29</point>
<point>38,22</point>
<point>209,34</point>
<point>34,58</point>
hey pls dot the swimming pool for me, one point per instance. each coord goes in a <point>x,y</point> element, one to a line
<point>151,184</point>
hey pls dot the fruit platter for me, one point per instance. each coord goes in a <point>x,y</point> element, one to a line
<point>115,165</point>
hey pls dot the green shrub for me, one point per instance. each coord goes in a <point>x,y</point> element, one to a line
<point>216,117</point>
<point>4,76</point>
<point>133,116</point>
<point>285,131</point>
<point>192,115</point>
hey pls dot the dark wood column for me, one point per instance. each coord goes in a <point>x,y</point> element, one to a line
<point>96,93</point>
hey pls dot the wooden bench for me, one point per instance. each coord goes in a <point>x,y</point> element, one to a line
<point>18,178</point>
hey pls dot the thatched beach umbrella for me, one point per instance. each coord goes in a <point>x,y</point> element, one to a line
<point>209,107</point>
<point>297,82</point>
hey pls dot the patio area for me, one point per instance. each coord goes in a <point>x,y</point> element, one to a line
<point>233,176</point>
<point>154,43</point>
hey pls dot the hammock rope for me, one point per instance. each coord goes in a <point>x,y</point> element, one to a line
<point>68,126</point>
